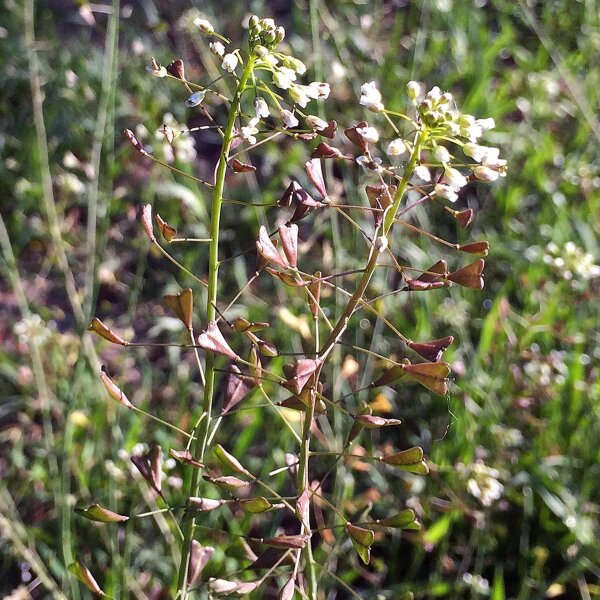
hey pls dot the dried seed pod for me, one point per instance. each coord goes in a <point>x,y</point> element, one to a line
<point>303,509</point>
<point>242,325</point>
<point>166,230</point>
<point>380,197</point>
<point>198,504</point>
<point>97,326</point>
<point>417,285</point>
<point>431,275</point>
<point>314,296</point>
<point>199,557</point>
<point>475,248</point>
<point>98,513</point>
<point>212,339</point>
<point>433,376</point>
<point>289,242</point>
<point>315,174</point>
<point>287,591</point>
<point>146,216</point>
<point>113,391</point>
<point>185,457</point>
<point>469,276</point>
<point>324,150</point>
<point>149,465</point>
<point>371,421</point>
<point>286,198</point>
<point>177,69</point>
<point>236,389</point>
<point>464,217</point>
<point>240,167</point>
<point>432,350</point>
<point>355,137</point>
<point>229,482</point>
<point>286,541</point>
<point>134,141</point>
<point>267,249</point>
<point>330,130</point>
<point>303,369</point>
<point>182,304</point>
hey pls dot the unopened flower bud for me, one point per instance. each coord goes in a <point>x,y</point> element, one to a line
<point>441,154</point>
<point>413,89</point>
<point>422,172</point>
<point>485,173</point>
<point>267,24</point>
<point>261,51</point>
<point>279,34</point>
<point>204,26</point>
<point>253,22</point>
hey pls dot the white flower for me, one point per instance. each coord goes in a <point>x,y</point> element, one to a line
<point>445,191</point>
<point>249,131</point>
<point>270,60</point>
<point>422,172</point>
<point>441,154</point>
<point>484,173</point>
<point>156,69</point>
<point>486,124</point>
<point>299,95</point>
<point>322,90</point>
<point>289,119</point>
<point>369,134</point>
<point>371,97</point>
<point>434,94</point>
<point>413,89</point>
<point>396,147</point>
<point>493,162</point>
<point>204,26</point>
<point>454,178</point>
<point>316,123</point>
<point>295,64</point>
<point>261,108</point>
<point>217,49</point>
<point>369,164</point>
<point>281,80</point>
<point>195,99</point>
<point>478,153</point>
<point>230,62</point>
<point>287,72</point>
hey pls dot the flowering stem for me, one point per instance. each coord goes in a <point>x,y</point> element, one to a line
<point>202,430</point>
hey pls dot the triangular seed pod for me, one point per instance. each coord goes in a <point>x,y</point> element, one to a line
<point>304,368</point>
<point>304,198</point>
<point>434,376</point>
<point>315,174</point>
<point>97,326</point>
<point>242,325</point>
<point>303,509</point>
<point>287,591</point>
<point>330,130</point>
<point>247,587</point>
<point>286,541</point>
<point>204,504</point>
<point>440,267</point>
<point>267,249</point>
<point>238,386</point>
<point>166,230</point>
<point>182,304</point>
<point>229,460</point>
<point>113,391</point>
<point>240,167</point>
<point>355,137</point>
<point>380,197</point>
<point>134,141</point>
<point>432,350</point>
<point>417,285</point>
<point>199,557</point>
<point>229,483</point>
<point>314,297</point>
<point>155,459</point>
<point>324,150</point>
<point>289,242</point>
<point>212,339</point>
<point>146,216</point>
<point>177,69</point>
<point>144,466</point>
<point>85,576</point>
<point>464,217</point>
<point>98,513</point>
<point>469,276</point>
<point>362,539</point>
<point>291,280</point>
<point>389,376</point>
<point>404,457</point>
<point>255,365</point>
<point>255,505</point>
<point>371,421</point>
<point>286,199</point>
<point>185,457</point>
<point>402,520</point>
<point>476,248</point>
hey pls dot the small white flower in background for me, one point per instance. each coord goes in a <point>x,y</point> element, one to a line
<point>316,123</point>
<point>413,89</point>
<point>195,99</point>
<point>299,95</point>
<point>486,124</point>
<point>249,131</point>
<point>217,49</point>
<point>454,178</point>
<point>571,262</point>
<point>371,97</point>
<point>423,173</point>
<point>478,583</point>
<point>261,108</point>
<point>369,134</point>
<point>445,191</point>
<point>281,80</point>
<point>230,62</point>
<point>32,329</point>
<point>204,26</point>
<point>441,154</point>
<point>483,482</point>
<point>369,164</point>
<point>397,147</point>
<point>289,119</point>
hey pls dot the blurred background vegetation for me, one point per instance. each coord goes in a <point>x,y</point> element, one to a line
<point>511,507</point>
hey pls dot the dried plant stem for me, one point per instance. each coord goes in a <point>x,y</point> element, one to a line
<point>202,431</point>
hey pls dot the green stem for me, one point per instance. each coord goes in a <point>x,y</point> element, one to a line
<point>201,432</point>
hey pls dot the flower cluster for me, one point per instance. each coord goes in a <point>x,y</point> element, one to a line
<point>571,262</point>
<point>482,482</point>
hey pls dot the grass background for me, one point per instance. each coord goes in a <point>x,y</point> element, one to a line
<point>525,398</point>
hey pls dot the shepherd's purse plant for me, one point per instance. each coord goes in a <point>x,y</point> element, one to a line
<point>292,522</point>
